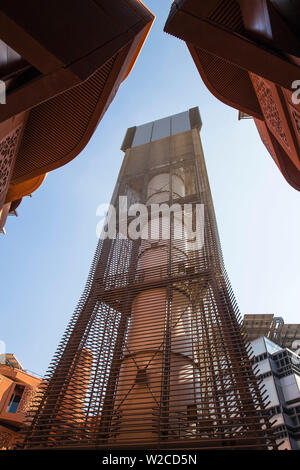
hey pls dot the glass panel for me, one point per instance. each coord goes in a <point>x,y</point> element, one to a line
<point>15,399</point>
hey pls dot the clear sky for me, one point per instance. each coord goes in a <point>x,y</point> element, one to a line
<point>47,251</point>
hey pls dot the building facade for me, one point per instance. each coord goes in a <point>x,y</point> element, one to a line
<point>248,55</point>
<point>279,369</point>
<point>155,354</point>
<point>286,335</point>
<point>17,391</point>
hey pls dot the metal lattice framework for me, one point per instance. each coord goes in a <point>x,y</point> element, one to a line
<point>155,355</point>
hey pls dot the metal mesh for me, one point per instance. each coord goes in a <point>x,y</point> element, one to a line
<point>155,355</point>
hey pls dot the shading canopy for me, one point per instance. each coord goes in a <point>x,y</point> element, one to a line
<point>248,55</point>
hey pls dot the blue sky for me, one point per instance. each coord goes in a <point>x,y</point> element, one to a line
<point>46,254</point>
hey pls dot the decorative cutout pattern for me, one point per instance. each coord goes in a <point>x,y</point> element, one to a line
<point>296,118</point>
<point>26,400</point>
<point>8,147</point>
<point>267,145</point>
<point>269,108</point>
<point>6,440</point>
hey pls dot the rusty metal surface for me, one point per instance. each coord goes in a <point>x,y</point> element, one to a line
<point>155,354</point>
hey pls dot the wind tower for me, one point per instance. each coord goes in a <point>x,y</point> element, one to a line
<point>166,360</point>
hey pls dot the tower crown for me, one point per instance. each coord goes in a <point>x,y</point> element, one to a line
<point>162,128</point>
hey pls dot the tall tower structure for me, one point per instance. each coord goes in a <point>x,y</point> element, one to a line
<point>155,354</point>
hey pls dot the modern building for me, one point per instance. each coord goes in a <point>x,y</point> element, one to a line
<point>154,355</point>
<point>60,67</point>
<point>286,335</point>
<point>248,56</point>
<point>17,390</point>
<point>279,369</point>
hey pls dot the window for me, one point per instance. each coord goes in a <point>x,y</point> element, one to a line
<point>15,399</point>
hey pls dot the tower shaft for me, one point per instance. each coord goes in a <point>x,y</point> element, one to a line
<point>168,364</point>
